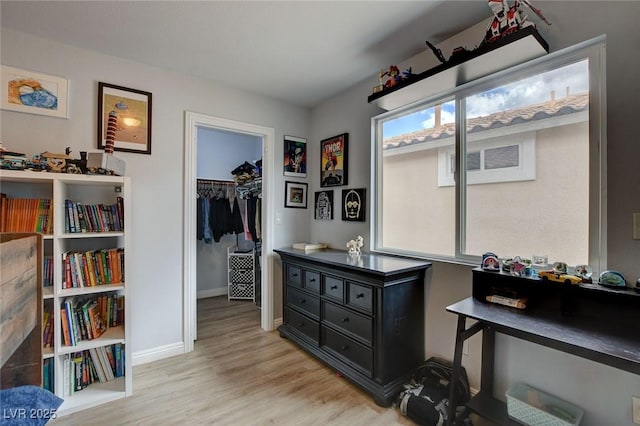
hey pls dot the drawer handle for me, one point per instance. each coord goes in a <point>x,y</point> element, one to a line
<point>359,295</point>
<point>334,287</point>
<point>345,319</point>
<point>345,348</point>
<point>302,300</point>
<point>312,280</point>
<point>294,275</point>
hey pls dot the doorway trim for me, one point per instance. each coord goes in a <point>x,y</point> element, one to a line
<point>193,120</point>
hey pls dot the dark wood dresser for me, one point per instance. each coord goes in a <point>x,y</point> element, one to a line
<point>363,316</point>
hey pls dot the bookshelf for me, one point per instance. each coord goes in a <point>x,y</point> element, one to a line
<point>101,244</point>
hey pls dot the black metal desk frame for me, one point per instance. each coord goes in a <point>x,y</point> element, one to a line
<point>568,319</point>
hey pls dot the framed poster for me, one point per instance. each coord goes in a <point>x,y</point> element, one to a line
<point>354,204</point>
<point>323,205</point>
<point>34,93</point>
<point>334,161</point>
<point>132,109</point>
<point>295,156</point>
<point>295,195</point>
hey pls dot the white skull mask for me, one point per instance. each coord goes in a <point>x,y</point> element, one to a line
<point>352,205</point>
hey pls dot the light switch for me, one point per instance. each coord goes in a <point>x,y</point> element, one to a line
<point>636,226</point>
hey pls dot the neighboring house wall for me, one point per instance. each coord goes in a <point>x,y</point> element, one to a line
<point>549,221</point>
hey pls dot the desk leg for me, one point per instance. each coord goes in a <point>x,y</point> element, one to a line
<point>488,354</point>
<point>457,366</point>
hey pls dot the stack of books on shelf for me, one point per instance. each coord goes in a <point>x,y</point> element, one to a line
<point>48,374</point>
<point>81,217</point>
<point>93,267</point>
<point>88,318</point>
<point>47,273</point>
<point>26,215</point>
<point>47,328</point>
<point>95,365</point>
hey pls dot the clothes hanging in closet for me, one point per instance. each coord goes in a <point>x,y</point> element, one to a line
<point>215,217</point>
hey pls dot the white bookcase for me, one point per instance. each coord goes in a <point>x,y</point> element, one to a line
<point>89,190</point>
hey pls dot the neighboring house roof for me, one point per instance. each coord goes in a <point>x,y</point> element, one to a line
<point>554,108</point>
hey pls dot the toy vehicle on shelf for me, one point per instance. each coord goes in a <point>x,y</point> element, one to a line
<point>559,277</point>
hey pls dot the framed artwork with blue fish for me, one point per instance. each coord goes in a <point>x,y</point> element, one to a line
<point>34,92</point>
<point>128,112</point>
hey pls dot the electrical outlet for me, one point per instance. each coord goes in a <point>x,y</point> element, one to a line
<point>635,400</point>
<point>465,348</point>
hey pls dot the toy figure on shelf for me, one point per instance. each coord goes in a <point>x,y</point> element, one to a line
<point>394,76</point>
<point>509,19</point>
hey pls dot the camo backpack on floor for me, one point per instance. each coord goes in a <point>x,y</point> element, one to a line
<point>425,399</point>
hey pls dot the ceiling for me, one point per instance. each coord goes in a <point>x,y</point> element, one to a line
<point>300,52</point>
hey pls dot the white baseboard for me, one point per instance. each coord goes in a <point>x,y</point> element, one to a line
<point>213,292</point>
<point>277,322</point>
<point>157,353</point>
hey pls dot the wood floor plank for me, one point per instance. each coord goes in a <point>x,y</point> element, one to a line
<point>238,374</point>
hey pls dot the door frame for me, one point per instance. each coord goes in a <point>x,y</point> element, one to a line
<point>193,120</point>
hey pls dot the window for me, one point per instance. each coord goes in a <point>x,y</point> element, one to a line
<point>529,143</point>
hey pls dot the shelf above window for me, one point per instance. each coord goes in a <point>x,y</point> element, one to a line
<point>514,49</point>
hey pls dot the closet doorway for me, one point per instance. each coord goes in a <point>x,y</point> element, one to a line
<point>195,123</point>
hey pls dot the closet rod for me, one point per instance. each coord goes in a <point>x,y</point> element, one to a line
<point>217,181</point>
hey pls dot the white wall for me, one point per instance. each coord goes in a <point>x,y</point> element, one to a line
<point>604,392</point>
<point>157,179</point>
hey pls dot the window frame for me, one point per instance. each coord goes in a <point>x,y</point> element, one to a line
<point>594,51</point>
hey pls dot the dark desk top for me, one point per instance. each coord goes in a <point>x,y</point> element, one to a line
<point>607,342</point>
<point>378,264</point>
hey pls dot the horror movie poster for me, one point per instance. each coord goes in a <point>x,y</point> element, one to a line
<point>333,164</point>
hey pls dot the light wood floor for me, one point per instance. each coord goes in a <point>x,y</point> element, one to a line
<point>238,374</point>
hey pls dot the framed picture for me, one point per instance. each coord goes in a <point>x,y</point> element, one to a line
<point>323,205</point>
<point>295,156</point>
<point>133,112</point>
<point>333,164</point>
<point>354,204</point>
<point>34,93</point>
<point>295,195</point>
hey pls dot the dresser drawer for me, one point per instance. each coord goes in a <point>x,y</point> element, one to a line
<point>303,301</point>
<point>312,281</point>
<point>348,321</point>
<point>294,276</point>
<point>304,325</point>
<point>360,296</point>
<point>333,288</point>
<point>359,356</point>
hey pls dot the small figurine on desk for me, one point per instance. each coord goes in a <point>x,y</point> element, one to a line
<point>490,262</point>
<point>354,246</point>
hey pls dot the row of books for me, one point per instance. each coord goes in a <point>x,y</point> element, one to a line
<point>93,267</point>
<point>87,318</point>
<point>93,217</point>
<point>26,215</point>
<point>47,327</point>
<point>48,374</point>
<point>47,273</point>
<point>96,365</point>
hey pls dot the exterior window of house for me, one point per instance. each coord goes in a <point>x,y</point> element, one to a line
<point>511,165</point>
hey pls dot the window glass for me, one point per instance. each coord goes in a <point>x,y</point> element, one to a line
<point>530,149</point>
<point>545,214</point>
